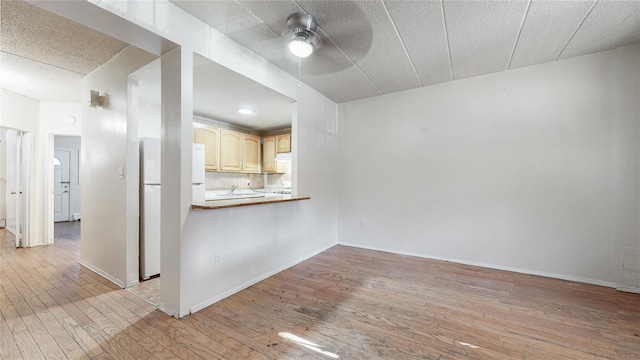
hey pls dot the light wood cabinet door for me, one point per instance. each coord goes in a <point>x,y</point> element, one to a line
<point>283,143</point>
<point>208,137</point>
<point>230,151</point>
<point>269,155</point>
<point>251,154</point>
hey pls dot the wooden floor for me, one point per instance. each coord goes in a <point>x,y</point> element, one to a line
<point>345,303</point>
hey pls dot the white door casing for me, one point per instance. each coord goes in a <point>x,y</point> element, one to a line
<point>17,166</point>
<point>61,185</point>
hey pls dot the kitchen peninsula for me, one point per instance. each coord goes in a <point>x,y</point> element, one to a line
<point>220,204</point>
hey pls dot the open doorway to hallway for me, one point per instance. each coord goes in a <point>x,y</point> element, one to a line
<point>66,179</point>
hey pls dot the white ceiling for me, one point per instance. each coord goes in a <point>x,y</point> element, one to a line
<point>218,93</point>
<point>45,56</point>
<point>369,47</point>
<point>379,47</point>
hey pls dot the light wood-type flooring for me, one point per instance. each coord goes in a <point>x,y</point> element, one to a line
<point>345,303</point>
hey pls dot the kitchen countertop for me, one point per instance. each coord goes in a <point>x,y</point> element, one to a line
<point>221,204</point>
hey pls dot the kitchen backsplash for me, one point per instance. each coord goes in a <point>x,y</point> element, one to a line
<point>224,181</point>
<point>276,180</point>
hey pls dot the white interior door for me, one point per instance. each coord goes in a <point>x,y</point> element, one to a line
<point>12,183</point>
<point>61,183</point>
<point>17,166</point>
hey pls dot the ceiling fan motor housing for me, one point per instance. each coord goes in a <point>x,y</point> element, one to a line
<point>303,27</point>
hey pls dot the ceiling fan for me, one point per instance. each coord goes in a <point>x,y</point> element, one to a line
<point>334,40</point>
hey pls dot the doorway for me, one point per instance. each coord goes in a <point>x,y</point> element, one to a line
<point>16,157</point>
<point>61,184</point>
<point>66,178</point>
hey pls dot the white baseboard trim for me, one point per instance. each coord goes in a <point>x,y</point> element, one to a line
<point>629,289</point>
<point>169,311</point>
<point>102,273</point>
<point>253,281</point>
<point>610,284</point>
<point>132,283</point>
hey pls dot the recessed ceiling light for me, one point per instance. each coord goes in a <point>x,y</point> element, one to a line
<point>245,111</point>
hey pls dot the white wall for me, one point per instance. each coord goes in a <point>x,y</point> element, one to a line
<point>534,169</point>
<point>55,118</point>
<point>22,113</point>
<point>72,143</point>
<point>109,213</point>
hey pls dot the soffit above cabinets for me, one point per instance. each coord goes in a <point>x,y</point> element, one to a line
<point>379,47</point>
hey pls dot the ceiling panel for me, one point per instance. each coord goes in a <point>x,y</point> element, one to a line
<point>326,83</point>
<point>42,52</point>
<point>421,27</point>
<point>38,80</point>
<point>610,25</point>
<point>335,62</point>
<point>482,34</point>
<point>364,31</point>
<point>48,55</point>
<point>546,30</point>
<point>80,39</point>
<point>17,63</point>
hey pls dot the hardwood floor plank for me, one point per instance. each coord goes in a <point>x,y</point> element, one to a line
<point>45,342</point>
<point>27,345</point>
<point>88,345</point>
<point>67,343</point>
<point>8,347</point>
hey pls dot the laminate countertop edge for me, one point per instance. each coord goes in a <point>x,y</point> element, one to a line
<point>223,204</point>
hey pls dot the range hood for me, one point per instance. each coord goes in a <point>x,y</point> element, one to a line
<point>283,157</point>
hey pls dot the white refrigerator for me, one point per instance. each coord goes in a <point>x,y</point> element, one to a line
<point>150,200</point>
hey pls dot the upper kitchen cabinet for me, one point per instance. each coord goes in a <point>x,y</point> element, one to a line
<point>269,155</point>
<point>250,153</point>
<point>283,143</point>
<point>269,164</point>
<point>230,151</point>
<point>209,137</point>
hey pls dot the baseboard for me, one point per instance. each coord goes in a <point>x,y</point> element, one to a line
<point>132,283</point>
<point>102,273</point>
<point>169,311</point>
<point>253,281</point>
<point>491,266</point>
<point>629,289</point>
<point>75,216</point>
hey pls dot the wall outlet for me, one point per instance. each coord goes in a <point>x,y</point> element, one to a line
<point>216,258</point>
<point>275,241</point>
<point>363,224</point>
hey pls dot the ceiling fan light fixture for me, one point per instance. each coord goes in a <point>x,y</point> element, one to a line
<point>300,47</point>
<point>245,111</point>
<point>302,38</point>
